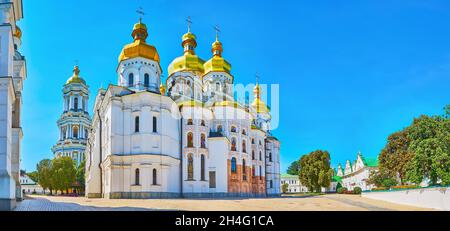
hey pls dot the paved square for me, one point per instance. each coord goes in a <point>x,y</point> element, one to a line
<point>332,202</point>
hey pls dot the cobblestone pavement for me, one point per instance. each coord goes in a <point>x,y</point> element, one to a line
<point>332,202</point>
<point>43,204</point>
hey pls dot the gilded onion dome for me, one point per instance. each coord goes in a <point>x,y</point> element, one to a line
<point>258,104</point>
<point>139,48</point>
<point>75,78</point>
<point>217,63</point>
<point>162,89</point>
<point>18,33</point>
<point>189,61</point>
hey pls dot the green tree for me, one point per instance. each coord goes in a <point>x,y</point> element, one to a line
<point>293,168</point>
<point>315,171</point>
<point>44,173</point>
<point>33,176</point>
<point>381,179</point>
<point>285,187</point>
<point>80,176</point>
<point>430,143</point>
<point>395,156</point>
<point>64,173</point>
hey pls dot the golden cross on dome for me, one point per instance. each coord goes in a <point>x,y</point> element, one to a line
<point>140,12</point>
<point>217,29</point>
<point>189,22</point>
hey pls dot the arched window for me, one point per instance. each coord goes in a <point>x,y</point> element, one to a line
<point>233,144</point>
<point>190,168</point>
<point>270,156</point>
<point>260,172</point>
<point>253,154</point>
<point>233,165</point>
<point>155,182</point>
<point>136,177</point>
<point>260,142</point>
<point>190,141</point>
<point>75,104</point>
<point>146,80</point>
<point>219,128</point>
<point>202,123</point>
<point>86,133</point>
<point>244,132</point>
<point>130,80</point>
<point>253,141</point>
<point>253,170</point>
<point>202,141</point>
<point>190,122</point>
<point>217,86</point>
<point>202,167</point>
<point>233,129</point>
<point>244,147</point>
<point>75,132</point>
<point>136,124</point>
<point>244,170</point>
<point>155,124</point>
<point>83,105</point>
<point>260,155</point>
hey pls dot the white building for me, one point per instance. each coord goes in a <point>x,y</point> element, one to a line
<point>357,174</point>
<point>12,75</point>
<point>29,186</point>
<point>194,140</point>
<point>74,123</point>
<point>295,186</point>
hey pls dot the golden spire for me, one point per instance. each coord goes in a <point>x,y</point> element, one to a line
<point>162,88</point>
<point>75,78</point>
<point>258,104</point>
<point>189,42</point>
<point>18,33</point>
<point>217,45</point>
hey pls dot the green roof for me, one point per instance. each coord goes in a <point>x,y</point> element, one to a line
<point>370,162</point>
<point>288,175</point>
<point>336,179</point>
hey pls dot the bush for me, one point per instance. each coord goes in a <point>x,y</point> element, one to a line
<point>389,182</point>
<point>357,190</point>
<point>405,187</point>
<point>379,189</point>
<point>341,190</point>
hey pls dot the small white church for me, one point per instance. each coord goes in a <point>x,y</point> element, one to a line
<point>188,137</point>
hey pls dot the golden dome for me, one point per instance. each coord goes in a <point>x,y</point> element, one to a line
<point>217,63</point>
<point>189,61</point>
<point>139,48</point>
<point>18,33</point>
<point>162,89</point>
<point>75,78</point>
<point>258,104</point>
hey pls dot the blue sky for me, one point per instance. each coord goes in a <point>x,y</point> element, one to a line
<point>350,72</point>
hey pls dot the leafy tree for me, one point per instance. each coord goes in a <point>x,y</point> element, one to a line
<point>44,173</point>
<point>430,143</point>
<point>381,179</point>
<point>33,176</point>
<point>315,171</point>
<point>293,168</point>
<point>285,187</point>
<point>80,175</point>
<point>64,173</point>
<point>357,190</point>
<point>395,156</point>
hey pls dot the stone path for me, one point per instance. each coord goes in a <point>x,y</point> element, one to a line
<point>331,202</point>
<point>43,204</point>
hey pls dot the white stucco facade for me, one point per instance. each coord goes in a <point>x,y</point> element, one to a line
<point>192,140</point>
<point>12,75</point>
<point>357,174</point>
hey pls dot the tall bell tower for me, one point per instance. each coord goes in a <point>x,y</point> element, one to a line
<point>75,122</point>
